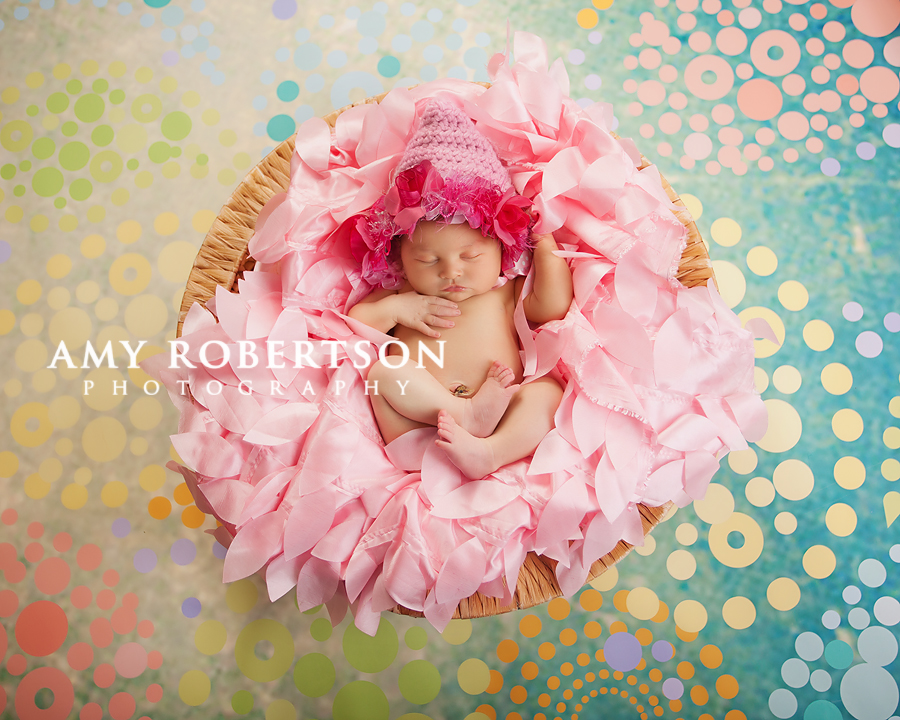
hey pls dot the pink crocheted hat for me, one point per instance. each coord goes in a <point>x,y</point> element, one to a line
<point>449,172</point>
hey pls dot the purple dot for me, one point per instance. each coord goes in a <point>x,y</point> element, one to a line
<point>852,311</point>
<point>191,607</point>
<point>284,9</point>
<point>5,251</point>
<point>183,552</point>
<point>830,167</point>
<point>869,344</point>
<point>121,527</point>
<point>673,689</point>
<point>891,135</point>
<point>892,322</point>
<point>144,560</point>
<point>170,58</point>
<point>219,551</point>
<point>663,650</point>
<point>576,56</point>
<point>622,651</point>
<point>865,150</point>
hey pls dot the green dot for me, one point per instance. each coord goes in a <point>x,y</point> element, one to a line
<point>25,165</point>
<point>106,166</point>
<point>242,702</point>
<point>419,682</point>
<point>102,135</point>
<point>274,634</point>
<point>117,97</point>
<point>360,700</point>
<point>19,190</point>
<point>320,629</point>
<point>8,171</point>
<point>60,202</point>
<point>74,155</point>
<point>388,66</point>
<point>89,108</point>
<point>100,86</point>
<point>81,189</point>
<point>312,610</point>
<point>175,152</point>
<point>202,159</point>
<point>57,102</point>
<point>156,3</point>
<point>73,87</point>
<point>16,135</point>
<point>158,152</point>
<point>371,654</point>
<point>176,126</point>
<point>281,127</point>
<point>43,148</point>
<point>314,675</point>
<point>32,110</point>
<point>132,164</point>
<point>69,128</point>
<point>47,181</point>
<point>288,90</point>
<point>146,108</point>
<point>416,638</point>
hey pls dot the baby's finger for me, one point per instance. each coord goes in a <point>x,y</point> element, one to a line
<point>443,306</point>
<point>439,321</point>
<point>428,331</point>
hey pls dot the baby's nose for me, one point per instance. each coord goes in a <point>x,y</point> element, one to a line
<point>451,269</point>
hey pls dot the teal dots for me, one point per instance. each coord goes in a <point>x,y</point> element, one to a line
<point>156,3</point>
<point>106,166</point>
<point>74,155</point>
<point>320,629</point>
<point>388,66</point>
<point>117,97</point>
<point>69,128</point>
<point>81,189</point>
<point>314,674</point>
<point>47,182</point>
<point>288,91</point>
<point>8,171</point>
<point>242,702</point>
<point>146,108</point>
<point>281,127</point>
<point>100,86</point>
<point>371,654</point>
<point>43,148</point>
<point>360,699</point>
<point>176,126</point>
<point>73,87</point>
<point>419,682</point>
<point>57,102</point>
<point>838,654</point>
<point>16,135</point>
<point>102,135</point>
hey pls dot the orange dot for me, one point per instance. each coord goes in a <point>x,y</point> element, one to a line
<point>553,682</point>
<point>583,659</point>
<point>530,670</point>
<point>662,614</point>
<point>727,686</point>
<point>567,669</point>
<point>674,705</point>
<point>487,710</point>
<point>699,695</point>
<point>568,637</point>
<point>620,601</point>
<point>546,651</point>
<point>80,656</point>
<point>558,608</point>
<point>34,552</point>
<point>507,651</point>
<point>617,627</point>
<point>35,530</point>
<point>684,634</point>
<point>875,18</point>
<point>618,674</point>
<point>685,670</point>
<point>513,716</point>
<point>593,630</point>
<point>847,84</point>
<point>496,683</point>
<point>183,495</point>
<point>159,508</point>
<point>735,715</point>
<point>544,700</point>
<point>81,597</point>
<point>711,656</point>
<point>41,628</point>
<point>759,99</point>
<point>123,620</point>
<point>590,600</point>
<point>644,636</point>
<point>655,675</point>
<point>530,626</point>
<point>192,517</point>
<point>106,598</point>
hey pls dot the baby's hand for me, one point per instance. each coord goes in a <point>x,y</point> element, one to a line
<point>418,312</point>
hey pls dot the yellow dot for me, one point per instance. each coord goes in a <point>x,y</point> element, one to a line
<point>34,80</point>
<point>12,388</point>
<point>106,309</point>
<point>760,492</point>
<point>64,411</point>
<point>143,179</point>
<point>9,464</point>
<point>242,160</point>
<point>117,69</point>
<point>793,295</point>
<point>145,413</point>
<point>87,291</point>
<point>58,298</point>
<point>194,686</point>
<point>152,478</point>
<point>203,220</point>
<point>473,676</point>
<point>847,425</point>
<point>83,475</point>
<point>175,261</point>
<point>227,138</point>
<point>119,197</point>
<point>74,496</point>
<point>104,439</point>
<point>106,391</point>
<point>731,282</point>
<point>783,594</point>
<point>819,562</point>
<point>90,67</point>
<point>890,469</point>
<point>139,446</point>
<point>241,596</point>
<point>743,462</point>
<point>170,170</point>
<point>30,425</point>
<point>59,266</point>
<point>849,472</point>
<point>793,479</point>
<point>68,223</point>
<point>39,223</point>
<point>31,355</point>
<point>681,565</point>
<point>191,99</point>
<point>36,487</point>
<point>739,612</point>
<point>29,292</point>
<point>93,246</point>
<point>10,95</point>
<point>43,380</point>
<point>642,603</point>
<point>143,75</point>
<point>648,547</point>
<point>818,335</point>
<point>607,580</point>
<point>168,84</point>
<point>686,534</point>
<point>129,232</point>
<point>50,469</point>
<point>96,214</point>
<point>765,348</point>
<point>72,326</point>
<point>836,378</point>
<point>762,261</point>
<point>602,4</point>
<point>64,446</point>
<point>891,438</point>
<point>785,523</point>
<point>210,637</point>
<point>716,506</point>
<point>211,117</point>
<point>787,379</point>
<point>785,427</point>
<point>840,519</point>
<point>166,223</point>
<point>7,321</point>
<point>690,616</point>
<point>146,316</point>
<point>587,18</point>
<point>725,232</point>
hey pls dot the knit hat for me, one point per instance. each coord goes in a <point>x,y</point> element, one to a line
<point>449,172</point>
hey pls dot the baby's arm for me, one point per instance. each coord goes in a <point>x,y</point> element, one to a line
<point>385,309</point>
<point>552,293</point>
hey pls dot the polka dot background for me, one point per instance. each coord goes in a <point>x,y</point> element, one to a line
<point>775,595</point>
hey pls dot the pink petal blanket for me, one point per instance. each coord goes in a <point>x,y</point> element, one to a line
<point>277,434</point>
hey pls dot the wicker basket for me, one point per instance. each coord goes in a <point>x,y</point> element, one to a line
<point>223,258</point>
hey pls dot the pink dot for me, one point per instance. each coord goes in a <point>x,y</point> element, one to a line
<point>101,632</point>
<point>879,84</point>
<point>765,136</point>
<point>154,693</point>
<point>723,114</point>
<point>678,101</point>
<point>651,92</point>
<point>834,31</point>
<point>791,155</point>
<point>62,542</point>
<point>814,145</point>
<point>687,5</point>
<point>857,120</point>
<point>793,84</point>
<point>773,7</point>
<point>52,576</point>
<point>765,42</point>
<point>699,41</point>
<point>728,156</point>
<point>752,151</point>
<point>34,552</point>
<point>104,675</point>
<point>892,51</point>
<point>121,706</point>
<point>668,73</point>
<point>835,132</point>
<point>671,45</point>
<point>832,61</point>
<point>879,110</point>
<point>91,711</point>
<point>725,18</point>
<point>16,664</point>
<point>740,168</point>
<point>670,123</point>
<point>650,58</point>
<point>858,103</point>
<point>699,67</point>
<point>711,7</point>
<point>81,597</point>
<point>744,71</point>
<point>106,598</point>
<point>41,628</point>
<point>9,516</point>
<point>759,99</point>
<point>630,62</point>
<point>818,11</point>
<point>749,17</point>
<point>766,164</point>
<point>35,530</point>
<point>814,46</point>
<point>154,659</point>
<point>131,660</point>
<point>699,123</point>
<point>130,600</point>
<point>820,75</point>
<point>80,656</point>
<point>635,40</point>
<point>664,149</point>
<point>793,125</point>
<point>15,572</point>
<point>9,603</point>
<point>730,136</point>
<point>731,41</point>
<point>145,628</point>
<point>110,578</point>
<point>818,122</point>
<point>630,86</point>
<point>798,22</point>
<point>698,146</point>
<point>713,168</point>
<point>654,32</point>
<point>635,109</point>
<point>647,130</point>
<point>123,620</point>
<point>811,103</point>
<point>89,557</point>
<point>847,84</point>
<point>686,22</point>
<point>831,101</point>
<point>876,18</point>
<point>687,163</point>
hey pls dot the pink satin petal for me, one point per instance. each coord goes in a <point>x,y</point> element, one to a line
<point>281,575</point>
<point>461,574</point>
<point>479,497</point>
<point>283,424</point>
<point>554,453</point>
<point>407,451</point>
<point>624,435</point>
<point>622,336</point>
<point>562,514</point>
<point>317,582</point>
<point>672,349</point>
<point>308,522</point>
<point>207,454</point>
<point>253,546</point>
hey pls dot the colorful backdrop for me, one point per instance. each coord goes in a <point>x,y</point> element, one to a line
<point>124,126</point>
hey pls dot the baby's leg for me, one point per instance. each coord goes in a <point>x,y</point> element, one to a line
<point>410,397</point>
<point>527,421</point>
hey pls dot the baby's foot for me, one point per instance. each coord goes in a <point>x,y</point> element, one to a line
<point>472,455</point>
<point>484,410</point>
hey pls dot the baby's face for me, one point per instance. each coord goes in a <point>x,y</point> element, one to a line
<point>450,261</point>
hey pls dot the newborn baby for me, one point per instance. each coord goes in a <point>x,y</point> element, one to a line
<point>484,418</point>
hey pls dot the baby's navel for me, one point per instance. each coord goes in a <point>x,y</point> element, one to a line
<point>460,390</point>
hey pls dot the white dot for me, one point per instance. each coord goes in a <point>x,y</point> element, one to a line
<point>852,311</point>
<point>887,610</point>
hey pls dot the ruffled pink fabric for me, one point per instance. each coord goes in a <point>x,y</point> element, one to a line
<point>658,378</point>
